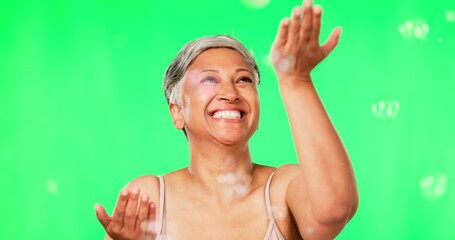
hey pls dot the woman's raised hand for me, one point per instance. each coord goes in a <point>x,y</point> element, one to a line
<point>296,50</point>
<point>134,217</point>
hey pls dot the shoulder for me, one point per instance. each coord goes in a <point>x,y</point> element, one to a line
<point>286,173</point>
<point>144,181</point>
<point>284,183</point>
<point>282,175</point>
<point>282,178</point>
<point>147,184</point>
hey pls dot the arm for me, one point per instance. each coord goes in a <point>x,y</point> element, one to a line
<point>322,196</point>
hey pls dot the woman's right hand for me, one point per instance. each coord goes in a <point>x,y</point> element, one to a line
<point>133,218</point>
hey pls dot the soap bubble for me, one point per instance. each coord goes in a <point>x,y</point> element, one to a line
<point>416,28</point>
<point>52,186</point>
<point>283,63</point>
<point>278,212</point>
<point>433,186</point>
<point>266,60</point>
<point>287,63</point>
<point>150,227</point>
<point>234,185</point>
<point>450,16</point>
<point>386,109</point>
<point>228,178</point>
<point>255,4</point>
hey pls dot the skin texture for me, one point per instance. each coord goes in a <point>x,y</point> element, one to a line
<point>312,200</point>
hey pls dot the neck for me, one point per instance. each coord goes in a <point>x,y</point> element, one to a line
<point>221,171</point>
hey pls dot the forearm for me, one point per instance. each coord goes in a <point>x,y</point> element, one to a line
<point>326,169</point>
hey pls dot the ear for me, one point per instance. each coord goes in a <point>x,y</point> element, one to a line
<point>177,116</point>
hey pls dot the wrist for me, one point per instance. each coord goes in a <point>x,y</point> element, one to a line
<point>294,81</point>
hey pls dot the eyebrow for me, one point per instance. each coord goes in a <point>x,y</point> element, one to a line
<point>217,71</point>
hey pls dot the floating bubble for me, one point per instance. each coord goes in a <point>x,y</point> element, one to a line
<point>386,109</point>
<point>286,63</point>
<point>241,189</point>
<point>255,4</point>
<point>234,185</point>
<point>52,186</point>
<point>416,28</point>
<point>228,178</point>
<point>419,32</point>
<point>433,186</point>
<point>278,212</point>
<point>266,60</point>
<point>450,16</point>
<point>150,227</point>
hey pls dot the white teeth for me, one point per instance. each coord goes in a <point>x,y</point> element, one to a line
<point>227,114</point>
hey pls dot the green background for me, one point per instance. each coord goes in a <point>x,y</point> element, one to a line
<point>82,111</point>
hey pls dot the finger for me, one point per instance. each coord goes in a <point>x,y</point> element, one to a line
<point>102,215</point>
<point>282,34</point>
<point>332,42</point>
<point>143,213</point>
<point>131,211</point>
<point>305,30</point>
<point>293,33</point>
<point>119,212</point>
<point>316,29</point>
<point>152,227</point>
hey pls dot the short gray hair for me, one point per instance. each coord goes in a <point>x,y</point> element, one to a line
<point>173,85</point>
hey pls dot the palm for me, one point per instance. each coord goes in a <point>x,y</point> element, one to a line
<point>296,50</point>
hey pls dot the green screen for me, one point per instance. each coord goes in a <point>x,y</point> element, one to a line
<point>82,111</point>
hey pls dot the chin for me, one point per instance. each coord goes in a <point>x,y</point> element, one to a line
<point>231,139</point>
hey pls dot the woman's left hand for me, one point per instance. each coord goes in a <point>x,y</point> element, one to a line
<point>296,50</point>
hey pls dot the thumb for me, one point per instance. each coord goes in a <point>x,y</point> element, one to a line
<point>332,42</point>
<point>102,215</point>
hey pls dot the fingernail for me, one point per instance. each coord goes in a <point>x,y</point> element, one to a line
<point>296,11</point>
<point>135,191</point>
<point>124,192</point>
<point>152,205</point>
<point>307,3</point>
<point>144,198</point>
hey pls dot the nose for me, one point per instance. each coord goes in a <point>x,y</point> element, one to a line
<point>228,92</point>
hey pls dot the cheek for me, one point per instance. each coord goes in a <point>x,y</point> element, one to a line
<point>253,99</point>
<point>199,98</point>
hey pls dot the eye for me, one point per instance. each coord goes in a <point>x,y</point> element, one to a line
<point>209,80</point>
<point>245,80</point>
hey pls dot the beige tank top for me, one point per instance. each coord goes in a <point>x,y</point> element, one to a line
<point>273,232</point>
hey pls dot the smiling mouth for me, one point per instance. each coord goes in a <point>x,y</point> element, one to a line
<point>231,114</point>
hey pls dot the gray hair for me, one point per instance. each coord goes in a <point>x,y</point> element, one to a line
<point>173,85</point>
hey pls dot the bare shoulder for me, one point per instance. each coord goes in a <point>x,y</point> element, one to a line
<point>286,173</point>
<point>282,175</point>
<point>147,184</point>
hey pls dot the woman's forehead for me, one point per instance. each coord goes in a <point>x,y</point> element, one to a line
<point>219,58</point>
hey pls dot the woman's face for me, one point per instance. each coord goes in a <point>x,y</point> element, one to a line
<point>220,98</point>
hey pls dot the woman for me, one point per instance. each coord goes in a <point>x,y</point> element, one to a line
<point>211,88</point>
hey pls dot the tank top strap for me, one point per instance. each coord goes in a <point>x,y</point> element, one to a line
<point>268,204</point>
<point>162,214</point>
